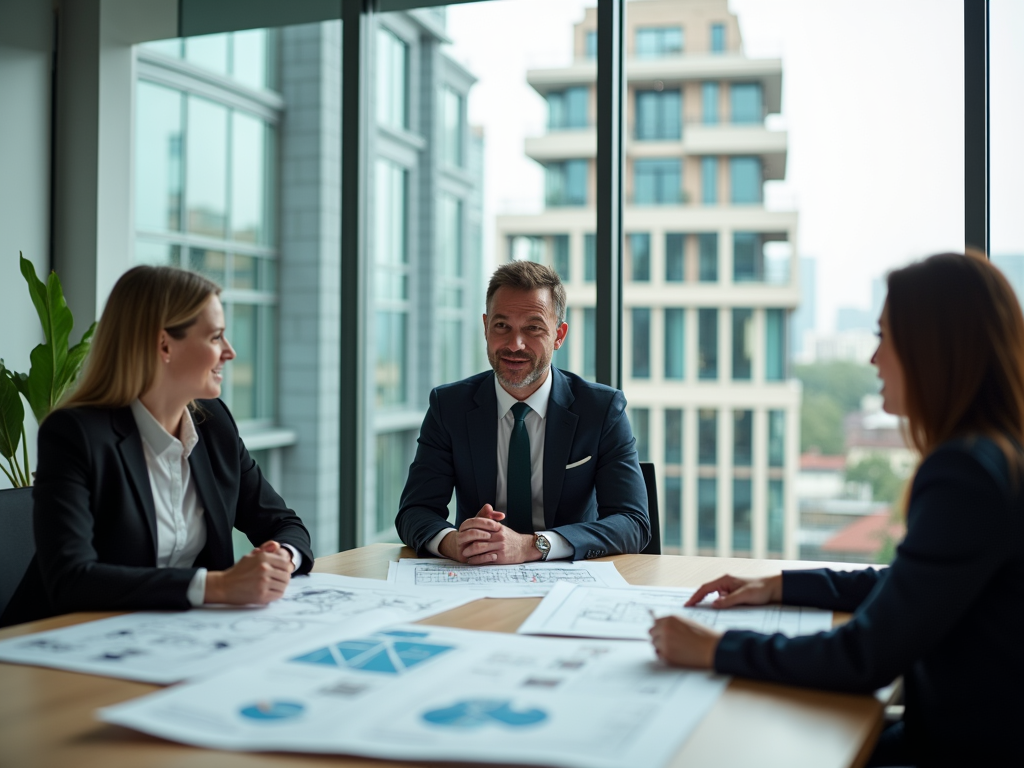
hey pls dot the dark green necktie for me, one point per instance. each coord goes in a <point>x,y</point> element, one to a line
<point>519,515</point>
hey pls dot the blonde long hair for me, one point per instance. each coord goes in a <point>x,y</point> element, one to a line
<point>122,360</point>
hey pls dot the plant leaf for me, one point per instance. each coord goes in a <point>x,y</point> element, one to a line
<point>61,321</point>
<point>37,291</point>
<point>41,381</point>
<point>12,417</point>
<point>73,363</point>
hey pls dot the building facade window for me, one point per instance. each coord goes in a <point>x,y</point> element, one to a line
<point>657,42</point>
<point>742,343</point>
<point>392,291</point>
<point>742,438</point>
<point>707,437</point>
<point>589,258</point>
<point>675,257</point>
<point>707,512</point>
<point>775,344</point>
<point>673,436</point>
<point>566,183</point>
<point>707,343</point>
<point>641,342</point>
<point>746,103</point>
<point>452,115</point>
<point>741,514</point>
<point>747,257</point>
<point>776,516</point>
<point>776,438</point>
<point>675,343</point>
<point>659,115</point>
<point>640,256</point>
<point>709,98</point>
<point>657,182</point>
<point>707,246</point>
<point>392,79</point>
<point>718,38</point>
<point>560,256</point>
<point>394,454</point>
<point>709,180</point>
<point>672,530</point>
<point>451,284</point>
<point>640,420</point>
<point>745,180</point>
<point>568,109</point>
<point>589,343</point>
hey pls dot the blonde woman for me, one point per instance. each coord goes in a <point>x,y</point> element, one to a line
<point>142,475</point>
<point>947,614</point>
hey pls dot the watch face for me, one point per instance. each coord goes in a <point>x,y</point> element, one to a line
<point>543,544</point>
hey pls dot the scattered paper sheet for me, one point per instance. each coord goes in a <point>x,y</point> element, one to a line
<point>434,693</point>
<point>576,610</point>
<point>525,580</point>
<point>165,647</point>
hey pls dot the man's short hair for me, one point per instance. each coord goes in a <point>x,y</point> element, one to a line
<point>528,276</point>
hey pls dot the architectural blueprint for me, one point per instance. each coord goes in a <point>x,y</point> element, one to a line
<point>165,647</point>
<point>524,580</point>
<point>627,613</point>
<point>440,694</point>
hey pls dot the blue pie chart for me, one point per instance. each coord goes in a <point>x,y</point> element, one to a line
<point>272,710</point>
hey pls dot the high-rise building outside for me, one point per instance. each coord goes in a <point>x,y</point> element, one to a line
<point>710,276</point>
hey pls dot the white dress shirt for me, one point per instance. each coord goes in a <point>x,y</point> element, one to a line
<point>536,420</point>
<point>180,519</point>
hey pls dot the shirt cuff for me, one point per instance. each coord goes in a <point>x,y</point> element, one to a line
<point>434,545</point>
<point>561,549</point>
<point>296,556</point>
<point>197,588</point>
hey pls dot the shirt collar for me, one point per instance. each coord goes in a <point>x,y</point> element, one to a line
<point>157,438</point>
<point>538,401</point>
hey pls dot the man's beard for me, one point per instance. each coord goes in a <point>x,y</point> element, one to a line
<point>529,377</point>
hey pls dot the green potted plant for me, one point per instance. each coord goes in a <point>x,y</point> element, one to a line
<point>54,369</point>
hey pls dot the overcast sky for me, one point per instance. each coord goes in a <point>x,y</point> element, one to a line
<point>872,102</point>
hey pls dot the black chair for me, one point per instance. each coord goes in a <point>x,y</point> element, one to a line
<point>17,544</point>
<point>654,547</point>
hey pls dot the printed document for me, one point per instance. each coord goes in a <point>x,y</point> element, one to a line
<point>523,580</point>
<point>582,610</point>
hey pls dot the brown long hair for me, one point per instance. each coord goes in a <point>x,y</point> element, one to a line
<point>958,331</point>
<point>122,360</point>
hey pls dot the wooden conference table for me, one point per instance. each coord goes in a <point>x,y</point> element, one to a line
<point>46,715</point>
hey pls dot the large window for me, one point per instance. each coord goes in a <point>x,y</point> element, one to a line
<point>392,79</point>
<point>657,182</point>
<point>746,103</point>
<point>567,183</point>
<point>659,115</point>
<point>745,180</point>
<point>656,42</point>
<point>568,109</point>
<point>392,293</point>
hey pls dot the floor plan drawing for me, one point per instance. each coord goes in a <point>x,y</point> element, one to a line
<point>522,580</point>
<point>166,647</point>
<point>627,613</point>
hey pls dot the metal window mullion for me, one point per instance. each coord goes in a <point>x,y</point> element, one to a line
<point>356,24</point>
<point>610,92</point>
<point>976,124</point>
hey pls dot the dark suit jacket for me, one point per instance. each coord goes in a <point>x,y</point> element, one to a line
<point>948,615</point>
<point>95,522</point>
<point>600,507</point>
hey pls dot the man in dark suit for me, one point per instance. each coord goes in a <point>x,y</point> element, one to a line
<point>543,462</point>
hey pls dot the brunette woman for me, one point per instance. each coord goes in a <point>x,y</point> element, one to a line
<point>948,614</point>
<point>142,475</point>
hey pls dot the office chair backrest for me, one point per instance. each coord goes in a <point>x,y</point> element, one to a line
<point>17,544</point>
<point>654,547</point>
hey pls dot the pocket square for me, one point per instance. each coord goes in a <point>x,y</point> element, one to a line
<point>577,463</point>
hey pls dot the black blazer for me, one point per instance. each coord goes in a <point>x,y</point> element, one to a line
<point>599,504</point>
<point>948,615</point>
<point>95,522</point>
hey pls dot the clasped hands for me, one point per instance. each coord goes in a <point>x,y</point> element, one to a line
<point>483,540</point>
<point>260,577</point>
<point>685,643</point>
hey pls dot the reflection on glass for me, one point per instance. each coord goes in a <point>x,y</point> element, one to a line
<point>243,272</point>
<point>157,158</point>
<point>207,167</point>
<point>640,420</point>
<point>707,512</point>
<point>211,264</point>
<point>741,507</point>
<point>157,254</point>
<point>742,438</point>
<point>675,343</point>
<point>209,52</point>
<point>243,337</point>
<point>249,211</point>
<point>249,57</point>
<point>742,343</point>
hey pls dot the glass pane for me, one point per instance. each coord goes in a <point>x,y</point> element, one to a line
<point>640,420</point>
<point>209,52</point>
<point>675,343</point>
<point>157,158</point>
<point>211,264</point>
<point>742,344</point>
<point>776,438</point>
<point>453,120</point>
<point>157,254</point>
<point>172,48</point>
<point>776,516</point>
<point>741,508</point>
<point>675,258</point>
<point>707,512</point>
<point>742,438</point>
<point>672,513</point>
<point>707,437</point>
<point>249,57</point>
<point>640,256</point>
<point>673,436</point>
<point>392,78</point>
<point>243,272</point>
<point>243,337</point>
<point>641,343</point>
<point>266,359</point>
<point>394,454</point>
<point>561,261</point>
<point>707,343</point>
<point>708,253</point>
<point>390,372</point>
<point>206,179</point>
<point>249,210</point>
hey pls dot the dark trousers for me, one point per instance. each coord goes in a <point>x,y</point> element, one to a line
<point>892,749</point>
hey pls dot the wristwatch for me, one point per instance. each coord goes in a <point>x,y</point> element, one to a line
<point>543,545</point>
